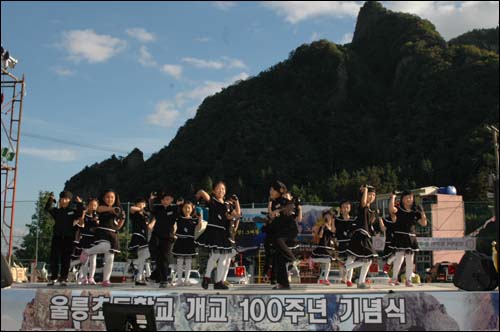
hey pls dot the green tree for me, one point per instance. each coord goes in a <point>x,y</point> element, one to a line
<point>42,222</point>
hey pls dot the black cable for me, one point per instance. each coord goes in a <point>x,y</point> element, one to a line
<point>64,141</point>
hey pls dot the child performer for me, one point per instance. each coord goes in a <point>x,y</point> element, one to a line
<point>111,220</point>
<point>141,224</point>
<point>90,223</point>
<point>65,217</point>
<point>184,247</point>
<point>163,233</point>
<point>215,236</point>
<point>324,251</point>
<point>405,217</point>
<point>361,251</point>
<point>343,227</point>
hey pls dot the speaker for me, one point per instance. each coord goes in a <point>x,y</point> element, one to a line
<point>475,272</point>
<point>6,275</point>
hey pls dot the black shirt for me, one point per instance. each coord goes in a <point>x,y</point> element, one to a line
<point>165,220</point>
<point>64,218</point>
<point>186,226</point>
<point>344,227</point>
<point>217,212</point>
<point>91,222</point>
<point>109,220</point>
<point>406,221</point>
<point>284,224</point>
<point>365,214</point>
<point>140,223</point>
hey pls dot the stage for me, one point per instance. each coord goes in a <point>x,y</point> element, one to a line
<point>251,289</point>
<point>437,306</point>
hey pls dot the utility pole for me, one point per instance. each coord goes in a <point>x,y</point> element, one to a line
<point>37,231</point>
<point>494,132</point>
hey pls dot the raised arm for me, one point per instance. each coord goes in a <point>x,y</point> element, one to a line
<point>203,195</point>
<point>151,199</point>
<point>364,198</point>
<point>104,208</point>
<point>392,207</point>
<point>423,218</point>
<point>382,225</point>
<point>49,206</point>
<point>134,209</point>
<point>237,209</point>
<point>298,218</point>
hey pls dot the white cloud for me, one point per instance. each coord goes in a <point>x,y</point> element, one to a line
<point>63,155</point>
<point>314,36</point>
<point>200,63</point>
<point>297,11</point>
<point>173,70</point>
<point>164,115</point>
<point>224,62</point>
<point>145,58</point>
<point>234,63</point>
<point>89,46</point>
<point>186,103</point>
<point>452,18</point>
<point>62,71</point>
<point>141,35</point>
<point>203,39</point>
<point>346,38</point>
<point>208,88</point>
<point>224,5</point>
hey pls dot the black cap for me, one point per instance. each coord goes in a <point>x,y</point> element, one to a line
<point>371,189</point>
<point>325,212</point>
<point>406,193</point>
<point>139,200</point>
<point>344,201</point>
<point>164,194</point>
<point>279,186</point>
<point>66,194</point>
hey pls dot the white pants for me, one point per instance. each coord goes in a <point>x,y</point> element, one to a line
<point>103,248</point>
<point>345,275</point>
<point>221,266</point>
<point>398,261</point>
<point>88,269</point>
<point>183,264</point>
<point>142,255</point>
<point>326,263</point>
<point>353,263</point>
<point>228,263</point>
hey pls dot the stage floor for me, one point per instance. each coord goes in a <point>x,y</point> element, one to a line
<point>252,289</point>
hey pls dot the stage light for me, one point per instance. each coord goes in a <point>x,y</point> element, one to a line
<point>7,60</point>
<point>8,155</point>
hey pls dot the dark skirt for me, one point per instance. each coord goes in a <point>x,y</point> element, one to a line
<point>343,245</point>
<point>137,242</point>
<point>361,245</point>
<point>404,242</point>
<point>110,236</point>
<point>388,250</point>
<point>215,238</point>
<point>184,246</point>
<point>87,241</point>
<point>324,252</point>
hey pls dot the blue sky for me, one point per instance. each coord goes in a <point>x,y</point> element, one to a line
<point>117,75</point>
